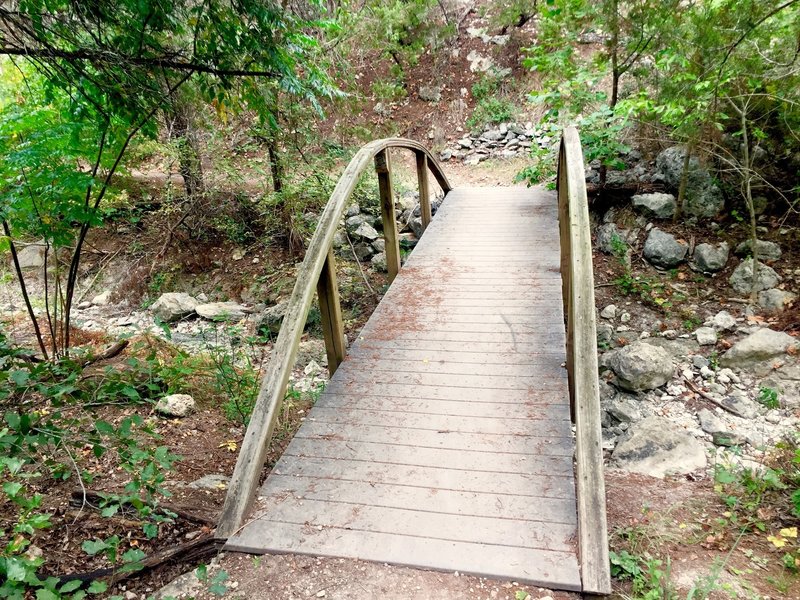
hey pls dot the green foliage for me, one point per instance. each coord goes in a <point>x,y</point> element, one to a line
<point>490,111</point>
<point>769,397</point>
<point>48,423</point>
<point>649,577</point>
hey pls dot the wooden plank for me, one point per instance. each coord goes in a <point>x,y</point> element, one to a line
<point>456,357</point>
<point>548,510</point>
<point>434,422</point>
<point>331,314</point>
<point>437,364</point>
<point>392,247</point>
<point>582,335</point>
<point>537,567</point>
<point>424,189</point>
<point>515,444</point>
<point>413,456</point>
<point>412,522</point>
<point>461,480</point>
<point>511,408</point>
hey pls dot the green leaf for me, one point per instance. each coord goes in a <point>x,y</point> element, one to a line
<point>110,511</point>
<point>150,530</point>
<point>97,587</point>
<point>70,586</point>
<point>12,488</point>
<point>92,547</point>
<point>43,594</point>
<point>15,569</point>
<point>20,377</point>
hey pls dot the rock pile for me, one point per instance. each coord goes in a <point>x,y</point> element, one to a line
<point>506,140</point>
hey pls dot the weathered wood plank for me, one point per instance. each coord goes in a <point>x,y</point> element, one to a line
<point>424,189</point>
<point>392,245</point>
<point>537,567</point>
<point>331,314</point>
<point>548,510</point>
<point>582,349</point>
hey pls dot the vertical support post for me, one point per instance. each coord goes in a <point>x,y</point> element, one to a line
<point>383,169</point>
<point>331,312</point>
<point>564,226</point>
<point>424,189</point>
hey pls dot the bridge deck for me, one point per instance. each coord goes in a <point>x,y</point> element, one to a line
<point>444,440</point>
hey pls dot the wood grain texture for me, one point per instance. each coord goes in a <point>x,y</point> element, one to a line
<point>582,361</point>
<point>331,314</point>
<point>444,439</point>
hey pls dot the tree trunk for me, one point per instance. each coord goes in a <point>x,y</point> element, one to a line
<point>680,207</point>
<point>275,166</point>
<point>186,134</point>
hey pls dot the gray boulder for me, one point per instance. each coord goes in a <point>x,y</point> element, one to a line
<point>31,256</point>
<point>655,206</point>
<point>173,306</point>
<point>767,251</point>
<point>640,366</point>
<point>708,258</point>
<point>663,250</point>
<point>175,405</point>
<point>706,336</point>
<point>354,222</point>
<point>653,447</point>
<point>379,262</point>
<point>611,239</point>
<point>723,321</point>
<point>703,197</point>
<point>764,344</point>
<point>366,232</point>
<point>271,319</point>
<point>222,311</point>
<point>775,300</point>
<point>741,279</point>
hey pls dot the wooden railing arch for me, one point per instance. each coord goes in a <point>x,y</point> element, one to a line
<point>318,271</point>
<point>577,280</point>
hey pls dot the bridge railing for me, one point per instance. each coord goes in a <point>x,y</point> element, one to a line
<point>318,272</point>
<point>579,312</point>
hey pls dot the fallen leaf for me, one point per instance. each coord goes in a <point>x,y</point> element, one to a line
<point>790,532</point>
<point>777,541</point>
<point>229,445</point>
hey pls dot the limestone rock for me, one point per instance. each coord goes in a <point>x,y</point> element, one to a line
<point>610,238</point>
<point>624,409</point>
<point>366,232</point>
<point>741,279</point>
<point>710,422</point>
<point>764,344</point>
<point>706,336</point>
<point>609,312</point>
<point>31,256</point>
<point>221,311</point>
<point>655,206</point>
<point>708,258</point>
<point>723,321</point>
<point>379,262</point>
<point>175,405</point>
<point>703,197</point>
<point>640,366</point>
<point>663,250</point>
<point>102,299</point>
<point>653,447</point>
<point>775,300</point>
<point>213,481</point>
<point>173,306</point>
<point>271,319</point>
<point>767,251</point>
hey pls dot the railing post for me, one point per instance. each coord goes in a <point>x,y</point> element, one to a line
<point>382,167</point>
<point>564,224</point>
<point>424,189</point>
<point>331,312</point>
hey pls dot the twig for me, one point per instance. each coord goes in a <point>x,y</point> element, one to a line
<point>709,397</point>
<point>80,481</point>
<point>100,270</point>
<point>358,262</point>
<point>110,352</point>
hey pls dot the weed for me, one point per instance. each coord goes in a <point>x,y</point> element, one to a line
<point>492,110</point>
<point>769,397</point>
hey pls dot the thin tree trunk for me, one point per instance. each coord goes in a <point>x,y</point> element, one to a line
<point>24,289</point>
<point>275,165</point>
<point>191,166</point>
<point>680,204</point>
<point>748,196</point>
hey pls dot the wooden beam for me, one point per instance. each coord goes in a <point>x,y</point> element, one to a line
<point>582,332</point>
<point>255,444</point>
<point>424,189</point>
<point>331,312</point>
<point>383,169</point>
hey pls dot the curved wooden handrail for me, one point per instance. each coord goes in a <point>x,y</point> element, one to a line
<point>579,311</point>
<point>318,271</point>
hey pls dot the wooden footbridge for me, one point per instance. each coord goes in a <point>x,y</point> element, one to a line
<point>461,431</point>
